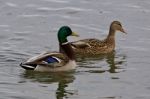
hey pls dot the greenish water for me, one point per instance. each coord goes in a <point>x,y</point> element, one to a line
<point>29,27</point>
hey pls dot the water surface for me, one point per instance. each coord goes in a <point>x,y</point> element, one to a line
<point>29,27</point>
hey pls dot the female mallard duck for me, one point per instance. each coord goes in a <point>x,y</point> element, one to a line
<point>54,61</point>
<point>94,46</point>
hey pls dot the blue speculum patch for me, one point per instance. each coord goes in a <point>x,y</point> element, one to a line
<point>51,60</point>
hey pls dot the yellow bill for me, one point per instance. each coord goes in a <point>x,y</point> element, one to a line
<point>74,34</point>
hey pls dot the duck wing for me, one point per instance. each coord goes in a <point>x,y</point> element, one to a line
<point>52,60</point>
<point>87,43</point>
<point>79,44</point>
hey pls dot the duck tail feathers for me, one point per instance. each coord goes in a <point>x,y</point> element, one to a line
<point>28,66</point>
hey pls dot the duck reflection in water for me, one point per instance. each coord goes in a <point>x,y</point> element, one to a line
<point>62,78</point>
<point>100,63</point>
<point>61,92</point>
<point>114,63</point>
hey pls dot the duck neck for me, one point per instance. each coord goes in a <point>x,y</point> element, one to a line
<point>111,36</point>
<point>111,32</point>
<point>67,49</point>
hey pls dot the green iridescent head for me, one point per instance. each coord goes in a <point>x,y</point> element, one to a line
<point>64,32</point>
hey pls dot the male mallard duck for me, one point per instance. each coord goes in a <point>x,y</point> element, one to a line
<point>54,61</point>
<point>94,46</point>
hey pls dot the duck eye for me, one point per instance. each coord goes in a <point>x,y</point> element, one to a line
<point>119,24</point>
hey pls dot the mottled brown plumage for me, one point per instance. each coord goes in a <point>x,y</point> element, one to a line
<point>94,46</point>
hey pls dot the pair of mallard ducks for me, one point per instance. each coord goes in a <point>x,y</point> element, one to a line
<point>65,59</point>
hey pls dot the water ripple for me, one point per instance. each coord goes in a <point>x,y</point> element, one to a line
<point>4,26</point>
<point>11,4</point>
<point>31,15</point>
<point>64,8</point>
<point>57,1</point>
<point>136,48</point>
